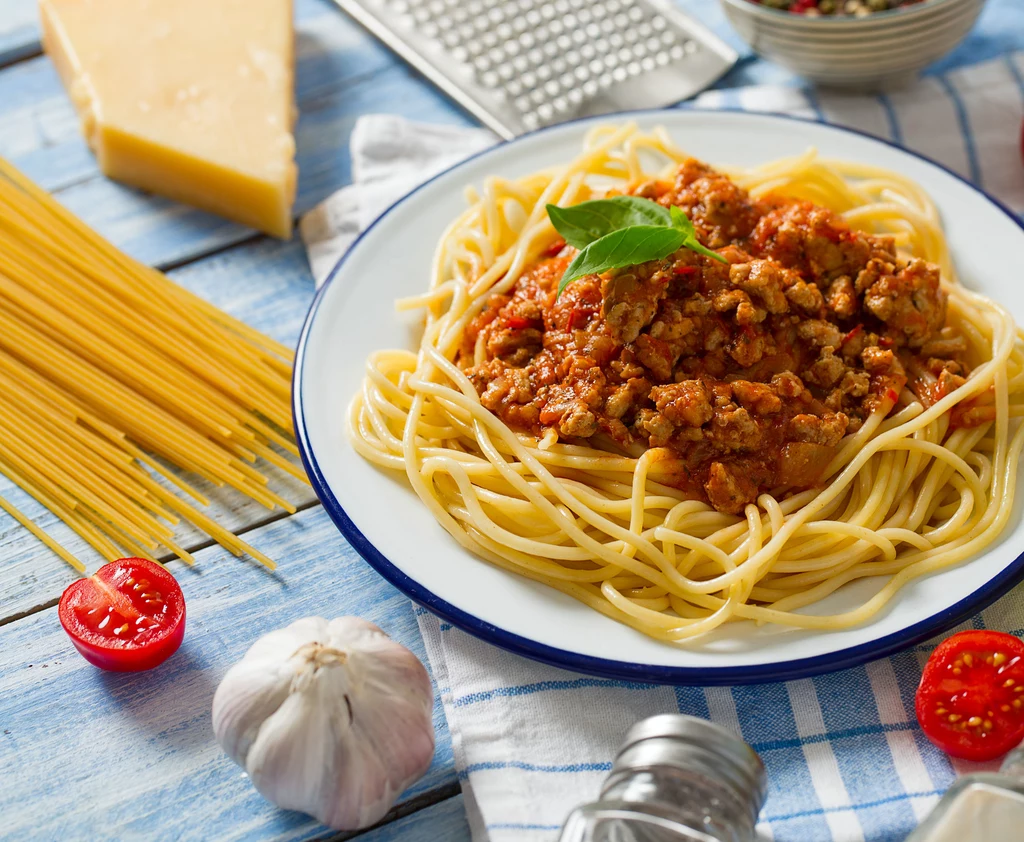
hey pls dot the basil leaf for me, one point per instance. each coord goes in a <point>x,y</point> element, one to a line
<point>682,222</point>
<point>625,247</point>
<point>582,224</point>
<point>693,245</point>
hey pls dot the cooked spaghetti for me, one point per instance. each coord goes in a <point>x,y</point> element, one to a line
<point>687,442</point>
<point>112,376</point>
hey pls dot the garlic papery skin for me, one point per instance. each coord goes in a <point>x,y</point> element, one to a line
<point>330,718</point>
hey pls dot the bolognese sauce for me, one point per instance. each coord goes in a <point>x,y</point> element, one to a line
<point>746,373</point>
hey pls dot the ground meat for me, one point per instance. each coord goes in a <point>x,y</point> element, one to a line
<point>827,369</point>
<point>819,333</point>
<point>910,302</point>
<point>759,398</point>
<point>685,403</point>
<point>842,297</point>
<point>655,427</point>
<point>578,421</point>
<point>827,428</point>
<point>877,360</point>
<point>750,372</point>
<point>735,429</point>
<point>729,491</point>
<point>630,302</point>
<point>806,297</point>
<point>763,280</point>
<point>721,212</point>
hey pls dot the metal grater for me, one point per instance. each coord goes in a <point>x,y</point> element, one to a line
<point>518,65</point>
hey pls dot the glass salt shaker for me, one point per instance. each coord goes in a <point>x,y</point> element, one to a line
<point>983,806</point>
<point>676,779</point>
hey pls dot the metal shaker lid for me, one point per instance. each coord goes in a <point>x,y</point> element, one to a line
<point>688,742</point>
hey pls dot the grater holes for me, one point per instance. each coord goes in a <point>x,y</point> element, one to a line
<point>546,57</point>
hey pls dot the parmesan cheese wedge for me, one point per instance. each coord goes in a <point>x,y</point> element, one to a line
<point>191,99</point>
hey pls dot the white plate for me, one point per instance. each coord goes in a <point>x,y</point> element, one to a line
<point>384,520</point>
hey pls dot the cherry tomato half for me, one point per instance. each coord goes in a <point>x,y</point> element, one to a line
<point>128,616</point>
<point>970,702</point>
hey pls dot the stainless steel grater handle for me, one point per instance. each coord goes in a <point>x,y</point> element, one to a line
<point>518,65</point>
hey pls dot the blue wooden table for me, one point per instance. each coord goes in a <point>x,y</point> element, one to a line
<point>92,755</point>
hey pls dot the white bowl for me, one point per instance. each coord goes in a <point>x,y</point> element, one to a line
<point>871,52</point>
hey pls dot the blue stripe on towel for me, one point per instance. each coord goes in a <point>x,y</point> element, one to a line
<point>775,745</point>
<point>892,799</point>
<point>965,129</point>
<point>693,701</point>
<point>564,768</point>
<point>543,686</point>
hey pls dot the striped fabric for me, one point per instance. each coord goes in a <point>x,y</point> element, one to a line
<point>846,760</point>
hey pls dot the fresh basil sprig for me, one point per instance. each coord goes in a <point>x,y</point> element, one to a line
<point>622,231</point>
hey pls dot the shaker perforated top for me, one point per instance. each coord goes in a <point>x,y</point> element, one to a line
<point>518,65</point>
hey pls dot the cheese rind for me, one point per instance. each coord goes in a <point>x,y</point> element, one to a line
<point>186,98</point>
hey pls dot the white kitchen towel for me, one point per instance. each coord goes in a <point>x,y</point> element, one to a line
<point>845,758</point>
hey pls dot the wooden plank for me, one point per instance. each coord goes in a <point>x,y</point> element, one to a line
<point>266,284</point>
<point>19,30</point>
<point>92,755</point>
<point>446,821</point>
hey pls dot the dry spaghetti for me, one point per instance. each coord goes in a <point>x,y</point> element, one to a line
<point>112,376</point>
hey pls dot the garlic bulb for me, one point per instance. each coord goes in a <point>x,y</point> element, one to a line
<point>330,718</point>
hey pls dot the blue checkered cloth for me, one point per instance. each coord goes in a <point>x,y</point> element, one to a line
<point>846,760</point>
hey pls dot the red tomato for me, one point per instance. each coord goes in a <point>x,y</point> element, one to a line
<point>970,702</point>
<point>129,616</point>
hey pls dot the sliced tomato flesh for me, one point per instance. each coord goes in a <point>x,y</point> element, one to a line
<point>970,701</point>
<point>128,616</point>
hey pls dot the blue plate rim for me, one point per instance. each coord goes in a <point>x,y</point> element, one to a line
<point>606,668</point>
